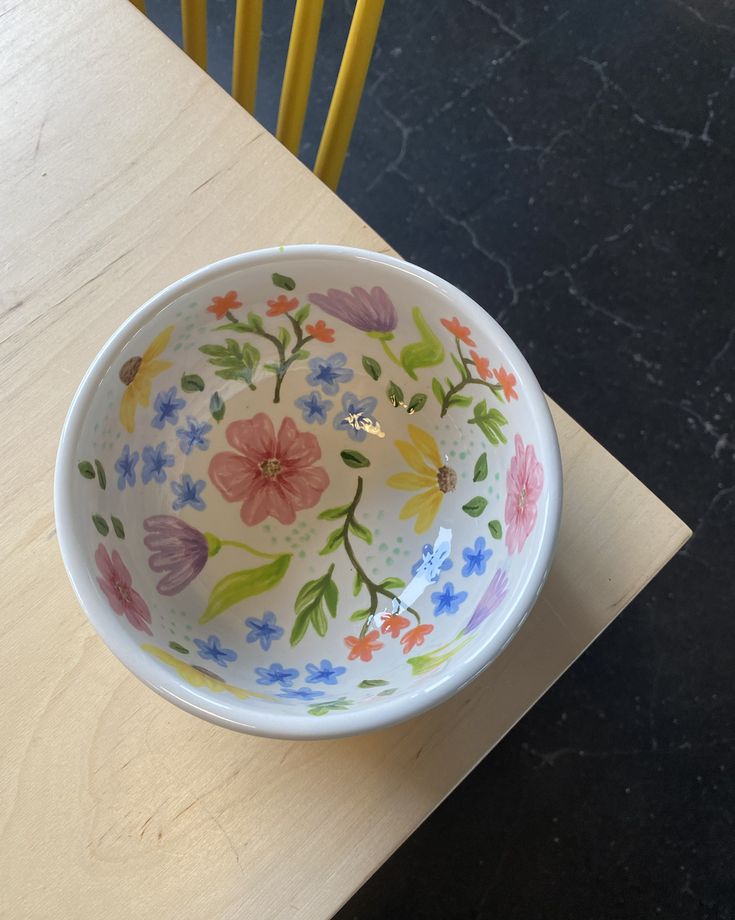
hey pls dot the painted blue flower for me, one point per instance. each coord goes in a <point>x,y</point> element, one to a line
<point>356,417</point>
<point>125,466</point>
<point>193,435</point>
<point>324,673</point>
<point>303,693</point>
<point>475,560</point>
<point>329,373</point>
<point>277,674</point>
<point>155,461</point>
<point>314,408</point>
<point>427,551</point>
<point>167,407</point>
<point>188,492</point>
<point>447,600</point>
<point>212,650</point>
<point>264,631</point>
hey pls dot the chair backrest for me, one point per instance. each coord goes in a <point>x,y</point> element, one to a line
<point>299,67</point>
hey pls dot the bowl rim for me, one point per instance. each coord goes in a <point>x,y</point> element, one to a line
<point>240,716</point>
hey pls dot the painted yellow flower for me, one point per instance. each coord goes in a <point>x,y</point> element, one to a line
<point>431,478</point>
<point>198,676</point>
<point>137,374</point>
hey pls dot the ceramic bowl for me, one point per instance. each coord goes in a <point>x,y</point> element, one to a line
<point>308,491</point>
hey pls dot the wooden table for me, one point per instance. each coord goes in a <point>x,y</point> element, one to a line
<point>121,172</point>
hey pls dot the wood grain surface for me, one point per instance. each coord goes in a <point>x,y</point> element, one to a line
<point>121,172</point>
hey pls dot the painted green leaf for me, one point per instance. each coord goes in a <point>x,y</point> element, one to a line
<point>422,664</point>
<point>284,336</point>
<point>331,597</point>
<point>192,383</point>
<point>371,367</point>
<point>215,351</point>
<point>283,281</point>
<point>323,709</point>
<point>395,394</point>
<point>360,531</point>
<point>235,326</point>
<point>86,469</point>
<point>334,541</point>
<point>178,648</point>
<point>354,459</point>
<point>490,422</point>
<point>302,314</point>
<point>456,399</point>
<point>496,529</point>
<point>302,355</point>
<point>101,476</point>
<point>438,390</point>
<point>480,468</point>
<point>255,322</point>
<point>217,407</point>
<point>117,526</point>
<point>356,585</point>
<point>273,368</point>
<point>475,506</point>
<point>247,583</point>
<point>388,692</point>
<point>361,614</point>
<point>392,583</point>
<point>319,621</point>
<point>301,624</point>
<point>333,514</point>
<point>417,403</point>
<point>309,606</point>
<point>425,353</point>
<point>365,684</point>
<point>101,524</point>
<point>463,372</point>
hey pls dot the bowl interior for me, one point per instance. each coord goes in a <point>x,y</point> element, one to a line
<point>308,485</point>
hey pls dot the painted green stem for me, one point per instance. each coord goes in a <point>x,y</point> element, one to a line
<point>374,590</point>
<point>249,549</point>
<point>470,378</point>
<point>283,362</point>
<point>389,351</point>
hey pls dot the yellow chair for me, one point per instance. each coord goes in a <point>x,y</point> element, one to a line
<point>348,89</point>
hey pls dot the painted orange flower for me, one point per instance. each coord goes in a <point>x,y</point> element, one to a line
<point>481,364</point>
<point>363,648</point>
<point>431,478</point>
<point>321,331</point>
<point>221,305</point>
<point>281,305</point>
<point>507,382</point>
<point>393,623</point>
<point>463,333</point>
<point>137,374</point>
<point>415,636</point>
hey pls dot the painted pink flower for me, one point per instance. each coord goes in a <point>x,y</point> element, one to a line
<point>272,475</point>
<point>369,312</point>
<point>177,549</point>
<point>525,480</point>
<point>490,600</point>
<point>118,587</point>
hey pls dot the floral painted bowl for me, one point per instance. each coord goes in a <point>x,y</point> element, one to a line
<point>308,491</point>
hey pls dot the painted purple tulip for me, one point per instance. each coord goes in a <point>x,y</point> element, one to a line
<point>177,549</point>
<point>369,312</point>
<point>490,600</point>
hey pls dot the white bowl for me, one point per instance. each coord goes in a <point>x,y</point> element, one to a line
<point>307,492</point>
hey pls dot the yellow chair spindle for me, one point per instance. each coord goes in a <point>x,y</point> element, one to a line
<point>297,76</point>
<point>246,52</point>
<point>140,4</point>
<point>194,28</point>
<point>347,91</point>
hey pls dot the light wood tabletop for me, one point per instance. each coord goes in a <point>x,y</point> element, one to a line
<point>124,168</point>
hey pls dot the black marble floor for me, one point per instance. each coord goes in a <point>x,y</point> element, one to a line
<point>571,166</point>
